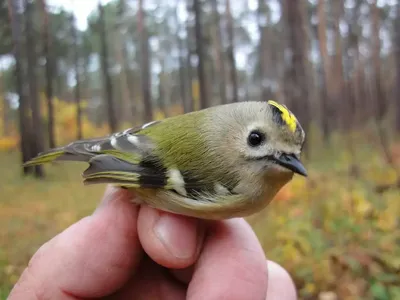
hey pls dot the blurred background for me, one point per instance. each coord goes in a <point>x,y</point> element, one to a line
<point>85,68</point>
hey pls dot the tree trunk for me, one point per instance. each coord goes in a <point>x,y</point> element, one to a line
<point>121,56</point>
<point>200,54</point>
<point>359,110</point>
<point>129,84</point>
<point>6,108</point>
<point>60,87</point>
<point>380,99</point>
<point>265,46</point>
<point>37,132</point>
<point>379,96</point>
<point>397,57</point>
<point>189,104</point>
<point>322,39</point>
<point>47,53</point>
<point>85,81</point>
<point>14,7</point>
<point>182,76</point>
<point>190,101</point>
<point>77,89</point>
<point>145,64</point>
<point>163,91</point>
<point>112,120</point>
<point>231,53</point>
<point>338,89</point>
<point>219,57</point>
<point>326,84</point>
<point>296,83</point>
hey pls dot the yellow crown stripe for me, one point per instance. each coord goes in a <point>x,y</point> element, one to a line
<point>287,116</point>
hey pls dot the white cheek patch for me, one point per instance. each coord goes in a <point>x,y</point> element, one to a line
<point>260,151</point>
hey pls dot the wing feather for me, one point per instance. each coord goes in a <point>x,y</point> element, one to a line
<point>114,170</point>
<point>126,159</point>
<point>125,145</point>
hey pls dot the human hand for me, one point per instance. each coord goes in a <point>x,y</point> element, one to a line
<point>125,251</point>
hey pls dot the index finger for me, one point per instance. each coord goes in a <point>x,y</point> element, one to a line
<point>92,258</point>
<point>231,265</point>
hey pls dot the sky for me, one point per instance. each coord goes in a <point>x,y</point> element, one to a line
<point>80,8</point>
<point>83,8</point>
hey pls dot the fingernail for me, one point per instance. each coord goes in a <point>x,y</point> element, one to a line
<point>178,234</point>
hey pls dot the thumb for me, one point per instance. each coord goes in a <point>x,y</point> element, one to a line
<point>92,258</point>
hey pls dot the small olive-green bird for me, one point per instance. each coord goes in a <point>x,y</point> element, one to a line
<point>221,162</point>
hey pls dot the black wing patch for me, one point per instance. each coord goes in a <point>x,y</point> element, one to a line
<point>109,169</point>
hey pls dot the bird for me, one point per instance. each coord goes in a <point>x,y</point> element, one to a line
<point>221,162</point>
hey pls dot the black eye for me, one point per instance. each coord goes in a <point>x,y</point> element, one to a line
<point>255,138</point>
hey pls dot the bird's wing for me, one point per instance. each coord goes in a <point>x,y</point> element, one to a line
<point>125,159</point>
<point>126,144</point>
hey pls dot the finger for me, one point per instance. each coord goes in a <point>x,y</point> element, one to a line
<point>280,284</point>
<point>172,241</point>
<point>151,282</point>
<point>231,264</point>
<point>92,258</point>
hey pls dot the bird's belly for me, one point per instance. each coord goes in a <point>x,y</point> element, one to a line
<point>218,208</point>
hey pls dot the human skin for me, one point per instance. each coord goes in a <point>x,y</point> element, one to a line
<point>125,251</point>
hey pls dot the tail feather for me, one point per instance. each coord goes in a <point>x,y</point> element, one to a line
<point>113,181</point>
<point>116,159</point>
<point>82,151</point>
<point>45,157</point>
<point>125,145</point>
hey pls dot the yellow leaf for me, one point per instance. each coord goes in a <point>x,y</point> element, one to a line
<point>8,143</point>
<point>310,288</point>
<point>387,220</point>
<point>361,205</point>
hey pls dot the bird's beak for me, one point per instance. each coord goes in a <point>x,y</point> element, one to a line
<point>291,162</point>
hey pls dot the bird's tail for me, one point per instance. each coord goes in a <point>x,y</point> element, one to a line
<point>82,150</point>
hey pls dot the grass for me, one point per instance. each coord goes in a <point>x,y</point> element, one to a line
<point>332,232</point>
